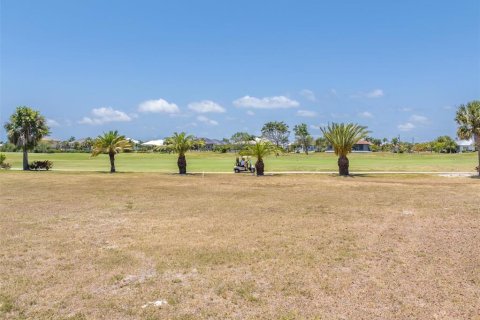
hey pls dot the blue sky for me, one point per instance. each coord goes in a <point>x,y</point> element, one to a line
<point>212,68</point>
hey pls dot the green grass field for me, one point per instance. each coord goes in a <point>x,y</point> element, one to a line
<point>214,162</point>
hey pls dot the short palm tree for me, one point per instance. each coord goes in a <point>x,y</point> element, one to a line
<point>342,137</point>
<point>25,129</point>
<point>468,119</point>
<point>260,149</point>
<point>180,143</point>
<point>110,143</point>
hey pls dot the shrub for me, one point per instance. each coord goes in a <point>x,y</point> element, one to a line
<point>3,164</point>
<point>41,165</point>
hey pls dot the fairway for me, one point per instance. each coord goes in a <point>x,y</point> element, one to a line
<point>103,246</point>
<point>216,162</point>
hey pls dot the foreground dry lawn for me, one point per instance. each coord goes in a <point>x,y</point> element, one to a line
<point>100,246</point>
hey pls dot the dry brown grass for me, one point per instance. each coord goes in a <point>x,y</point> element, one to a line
<point>99,246</point>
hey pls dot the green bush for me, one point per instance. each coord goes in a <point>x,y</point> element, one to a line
<point>3,164</point>
<point>41,165</point>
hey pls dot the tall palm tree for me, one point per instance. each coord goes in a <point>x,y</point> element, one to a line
<point>25,128</point>
<point>180,143</point>
<point>110,143</point>
<point>342,137</point>
<point>260,149</point>
<point>468,119</point>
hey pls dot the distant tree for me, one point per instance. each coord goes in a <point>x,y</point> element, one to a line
<point>260,150</point>
<point>240,139</point>
<point>342,137</point>
<point>180,143</point>
<point>276,132</point>
<point>468,119</point>
<point>87,143</point>
<point>25,129</point>
<point>71,139</point>
<point>321,143</point>
<point>444,144</point>
<point>302,136</point>
<point>110,143</point>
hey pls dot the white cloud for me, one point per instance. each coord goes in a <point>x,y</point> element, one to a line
<point>158,106</point>
<point>250,113</point>
<point>206,106</point>
<point>306,113</point>
<point>207,120</point>
<point>365,114</point>
<point>406,126</point>
<point>308,94</point>
<point>377,93</point>
<point>278,102</point>
<point>419,119</point>
<point>52,123</point>
<point>105,115</point>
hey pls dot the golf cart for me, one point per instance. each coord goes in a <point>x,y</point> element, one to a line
<point>245,165</point>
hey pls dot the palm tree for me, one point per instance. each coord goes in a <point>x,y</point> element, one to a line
<point>342,137</point>
<point>468,119</point>
<point>25,129</point>
<point>180,143</point>
<point>260,149</point>
<point>110,143</point>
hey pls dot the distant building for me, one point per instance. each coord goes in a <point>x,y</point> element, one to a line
<point>465,145</point>
<point>210,144</point>
<point>155,143</point>
<point>360,146</point>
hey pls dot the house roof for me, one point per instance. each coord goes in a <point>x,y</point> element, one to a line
<point>362,141</point>
<point>154,143</point>
<point>212,141</point>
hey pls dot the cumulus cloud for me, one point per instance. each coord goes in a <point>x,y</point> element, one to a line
<point>365,114</point>
<point>308,94</point>
<point>52,123</point>
<point>105,115</point>
<point>158,106</point>
<point>419,119</point>
<point>206,106</point>
<point>408,126</point>
<point>207,120</point>
<point>306,113</point>
<point>277,102</point>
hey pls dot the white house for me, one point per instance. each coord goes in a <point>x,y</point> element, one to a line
<point>465,145</point>
<point>156,143</point>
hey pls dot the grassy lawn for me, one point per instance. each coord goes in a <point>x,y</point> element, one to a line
<point>214,162</point>
<point>101,246</point>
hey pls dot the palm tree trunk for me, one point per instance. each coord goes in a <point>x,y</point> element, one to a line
<point>182,164</point>
<point>25,159</point>
<point>112,162</point>
<point>478,150</point>
<point>259,167</point>
<point>343,164</point>
<point>306,149</point>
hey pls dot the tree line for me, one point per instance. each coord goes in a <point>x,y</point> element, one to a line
<point>26,128</point>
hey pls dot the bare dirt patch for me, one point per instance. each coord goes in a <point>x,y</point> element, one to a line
<point>153,246</point>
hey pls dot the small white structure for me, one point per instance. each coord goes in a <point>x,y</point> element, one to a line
<point>465,145</point>
<point>156,143</point>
